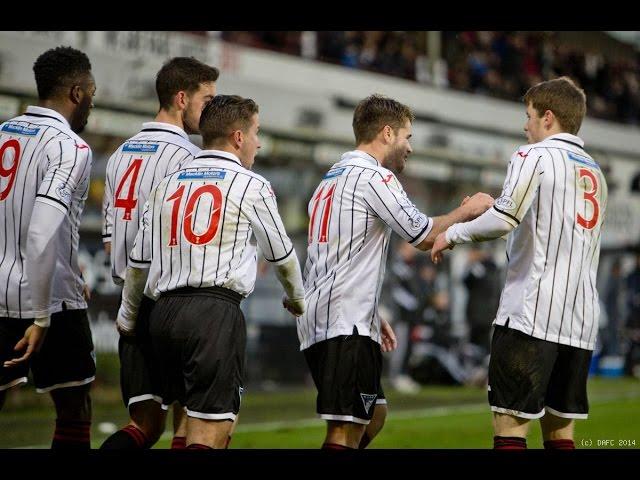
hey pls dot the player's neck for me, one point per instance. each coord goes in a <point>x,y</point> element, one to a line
<point>376,151</point>
<point>57,106</point>
<point>172,118</point>
<point>555,130</point>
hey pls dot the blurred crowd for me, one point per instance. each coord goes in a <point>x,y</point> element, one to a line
<point>497,64</point>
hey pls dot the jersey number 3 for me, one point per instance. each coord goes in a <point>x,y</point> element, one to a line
<point>589,196</point>
<point>188,216</point>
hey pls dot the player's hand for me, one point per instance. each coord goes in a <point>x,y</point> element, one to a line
<point>294,306</point>
<point>478,204</point>
<point>439,246</point>
<point>86,292</point>
<point>465,200</point>
<point>32,340</point>
<point>389,342</point>
<point>125,328</point>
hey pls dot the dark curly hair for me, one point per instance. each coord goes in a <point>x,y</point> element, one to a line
<point>59,67</point>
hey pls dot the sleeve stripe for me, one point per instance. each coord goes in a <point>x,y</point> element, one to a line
<point>54,200</point>
<point>390,213</point>
<point>281,258</point>
<point>266,233</point>
<point>507,214</point>
<point>108,235</point>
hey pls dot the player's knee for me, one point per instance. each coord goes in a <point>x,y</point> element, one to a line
<point>73,403</point>
<point>149,417</point>
<point>377,421</point>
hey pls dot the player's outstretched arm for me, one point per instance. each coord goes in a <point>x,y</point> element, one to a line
<point>470,209</point>
<point>487,226</point>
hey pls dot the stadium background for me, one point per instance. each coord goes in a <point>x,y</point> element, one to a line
<point>465,89</point>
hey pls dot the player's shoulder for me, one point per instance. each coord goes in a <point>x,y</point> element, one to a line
<point>528,151</point>
<point>70,144</point>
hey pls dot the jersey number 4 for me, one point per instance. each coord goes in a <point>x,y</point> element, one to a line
<point>188,216</point>
<point>591,197</point>
<point>11,171</point>
<point>129,202</point>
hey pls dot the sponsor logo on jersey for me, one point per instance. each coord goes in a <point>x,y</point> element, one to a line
<point>336,172</point>
<point>20,130</point>
<point>388,178</point>
<point>202,175</point>
<point>63,192</point>
<point>505,203</point>
<point>583,160</point>
<point>367,400</point>
<point>135,147</point>
<point>419,221</point>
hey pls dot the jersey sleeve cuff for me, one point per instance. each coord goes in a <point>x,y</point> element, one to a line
<point>106,238</point>
<point>502,215</point>
<point>281,260</point>
<point>423,234</point>
<point>54,202</point>
<point>143,264</point>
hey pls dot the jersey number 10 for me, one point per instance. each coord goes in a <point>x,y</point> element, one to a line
<point>188,216</point>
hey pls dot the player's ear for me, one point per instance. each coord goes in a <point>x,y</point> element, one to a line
<point>238,138</point>
<point>548,118</point>
<point>75,94</point>
<point>180,100</point>
<point>387,133</point>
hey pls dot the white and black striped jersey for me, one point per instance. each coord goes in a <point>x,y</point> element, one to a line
<point>351,215</point>
<point>42,160</point>
<point>197,226</point>
<point>556,196</point>
<point>133,170</point>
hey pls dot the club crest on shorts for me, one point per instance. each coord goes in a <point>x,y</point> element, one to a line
<point>240,392</point>
<point>367,400</point>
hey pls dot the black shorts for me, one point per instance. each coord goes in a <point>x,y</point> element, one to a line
<point>528,376</point>
<point>66,359</point>
<point>198,337</point>
<point>347,370</point>
<point>138,378</point>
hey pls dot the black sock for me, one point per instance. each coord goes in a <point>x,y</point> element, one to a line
<point>365,441</point>
<point>71,435</point>
<point>128,438</point>
<point>509,443</point>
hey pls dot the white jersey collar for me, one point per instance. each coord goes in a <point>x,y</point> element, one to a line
<point>218,154</point>
<point>35,111</point>
<point>361,155</point>
<point>566,137</point>
<point>166,127</point>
